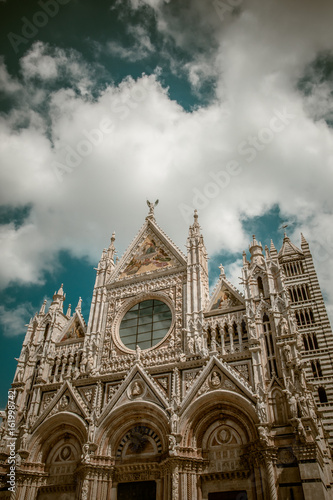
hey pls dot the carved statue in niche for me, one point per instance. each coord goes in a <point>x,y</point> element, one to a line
<point>19,374</point>
<point>292,401</point>
<point>91,430</point>
<point>172,444</point>
<point>64,402</point>
<point>174,419</point>
<point>284,328</point>
<point>198,343</point>
<point>303,406</point>
<point>252,329</point>
<point>83,363</point>
<point>263,435</point>
<point>190,344</point>
<point>215,379</point>
<point>136,389</point>
<point>85,457</point>
<point>24,438</point>
<point>301,431</point>
<point>287,353</point>
<point>213,340</point>
<point>137,353</point>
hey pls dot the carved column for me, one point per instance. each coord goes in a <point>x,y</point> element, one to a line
<point>231,335</point>
<point>222,341</point>
<point>239,333</point>
<point>175,482</point>
<point>271,479</point>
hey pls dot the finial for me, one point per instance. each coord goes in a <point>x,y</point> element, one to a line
<point>151,208</point>
<point>42,309</point>
<point>196,217</point>
<point>78,307</point>
<point>61,290</point>
<point>112,250</point>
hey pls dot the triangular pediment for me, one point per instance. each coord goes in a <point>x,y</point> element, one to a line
<point>138,386</point>
<point>256,270</point>
<point>66,399</point>
<point>151,252</point>
<point>225,297</point>
<point>74,330</point>
<point>217,375</point>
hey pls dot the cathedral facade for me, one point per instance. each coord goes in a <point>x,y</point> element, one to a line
<point>170,393</point>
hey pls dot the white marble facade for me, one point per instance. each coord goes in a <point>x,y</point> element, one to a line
<point>171,393</point>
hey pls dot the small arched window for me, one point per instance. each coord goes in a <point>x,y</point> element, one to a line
<point>46,331</point>
<point>260,286</point>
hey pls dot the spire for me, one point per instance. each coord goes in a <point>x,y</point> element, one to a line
<point>195,228</point>
<point>273,250</point>
<point>78,307</point>
<point>268,255</point>
<point>58,299</point>
<point>197,262</point>
<point>42,309</point>
<point>256,251</point>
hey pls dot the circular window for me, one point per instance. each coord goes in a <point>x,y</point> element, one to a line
<point>145,324</point>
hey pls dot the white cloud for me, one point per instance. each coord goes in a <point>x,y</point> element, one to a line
<point>48,64</point>
<point>152,148</point>
<point>234,273</point>
<point>140,49</point>
<point>7,83</point>
<point>13,321</point>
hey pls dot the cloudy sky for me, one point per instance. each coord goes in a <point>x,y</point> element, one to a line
<point>221,105</point>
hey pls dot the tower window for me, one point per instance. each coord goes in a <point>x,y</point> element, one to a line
<point>310,341</point>
<point>316,369</point>
<point>322,395</point>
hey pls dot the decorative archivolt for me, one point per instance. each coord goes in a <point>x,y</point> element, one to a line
<point>139,440</point>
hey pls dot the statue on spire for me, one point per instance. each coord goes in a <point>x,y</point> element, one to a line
<point>151,207</point>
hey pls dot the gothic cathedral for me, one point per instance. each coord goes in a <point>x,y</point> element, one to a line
<point>170,393</point>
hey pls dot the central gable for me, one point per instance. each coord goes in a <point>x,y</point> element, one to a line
<point>151,251</point>
<point>149,256</point>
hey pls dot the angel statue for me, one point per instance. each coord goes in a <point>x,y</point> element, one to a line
<point>151,207</point>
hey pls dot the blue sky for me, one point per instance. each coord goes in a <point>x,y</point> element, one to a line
<point>224,105</point>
